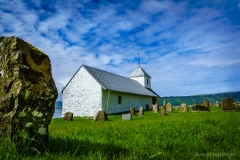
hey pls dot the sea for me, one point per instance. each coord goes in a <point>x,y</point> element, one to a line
<point>58,110</point>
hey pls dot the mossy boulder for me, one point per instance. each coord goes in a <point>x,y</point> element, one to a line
<point>227,104</point>
<point>27,91</point>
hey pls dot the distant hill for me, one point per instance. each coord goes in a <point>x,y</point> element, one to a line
<point>175,100</point>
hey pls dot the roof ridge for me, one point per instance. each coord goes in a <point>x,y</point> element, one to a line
<point>105,71</point>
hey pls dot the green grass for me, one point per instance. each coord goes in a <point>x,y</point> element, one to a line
<point>190,135</point>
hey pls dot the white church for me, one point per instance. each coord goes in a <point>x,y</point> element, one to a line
<point>91,90</point>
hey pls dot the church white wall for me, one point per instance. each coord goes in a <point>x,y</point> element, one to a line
<point>143,81</point>
<point>128,100</point>
<point>83,95</point>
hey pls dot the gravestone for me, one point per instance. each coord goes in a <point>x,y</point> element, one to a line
<point>206,103</point>
<point>141,111</point>
<point>183,107</point>
<point>155,108</point>
<point>163,111</point>
<point>68,116</point>
<point>199,107</point>
<point>27,91</point>
<point>169,108</point>
<point>127,116</point>
<point>132,111</point>
<point>210,104</point>
<point>227,104</point>
<point>100,116</point>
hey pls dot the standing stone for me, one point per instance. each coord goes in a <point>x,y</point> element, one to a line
<point>206,103</point>
<point>227,104</point>
<point>141,111</point>
<point>199,107</point>
<point>210,104</point>
<point>163,111</point>
<point>155,108</point>
<point>169,108</point>
<point>68,116</point>
<point>132,111</point>
<point>183,107</point>
<point>100,116</point>
<point>27,91</point>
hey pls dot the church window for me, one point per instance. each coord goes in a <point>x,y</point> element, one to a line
<point>147,81</point>
<point>119,99</point>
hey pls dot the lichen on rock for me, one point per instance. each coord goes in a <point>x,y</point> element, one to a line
<point>27,91</point>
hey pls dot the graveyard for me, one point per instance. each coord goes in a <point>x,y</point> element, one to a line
<point>178,135</point>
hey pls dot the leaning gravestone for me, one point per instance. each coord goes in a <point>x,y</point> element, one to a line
<point>132,111</point>
<point>183,107</point>
<point>100,116</point>
<point>68,116</point>
<point>155,108</point>
<point>227,104</point>
<point>169,108</point>
<point>163,111</point>
<point>141,111</point>
<point>27,91</point>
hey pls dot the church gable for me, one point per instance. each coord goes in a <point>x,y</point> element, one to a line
<point>82,94</point>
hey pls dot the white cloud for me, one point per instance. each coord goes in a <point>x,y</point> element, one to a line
<point>180,46</point>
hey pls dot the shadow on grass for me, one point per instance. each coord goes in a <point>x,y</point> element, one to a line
<point>80,148</point>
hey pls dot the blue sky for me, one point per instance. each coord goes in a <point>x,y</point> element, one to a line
<point>187,47</point>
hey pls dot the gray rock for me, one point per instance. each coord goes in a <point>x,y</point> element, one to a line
<point>68,116</point>
<point>27,91</point>
<point>100,116</point>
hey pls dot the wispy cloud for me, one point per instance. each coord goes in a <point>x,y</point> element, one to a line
<point>188,47</point>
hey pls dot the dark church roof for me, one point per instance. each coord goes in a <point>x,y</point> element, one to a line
<point>114,82</point>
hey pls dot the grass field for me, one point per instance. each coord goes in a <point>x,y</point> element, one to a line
<point>190,135</point>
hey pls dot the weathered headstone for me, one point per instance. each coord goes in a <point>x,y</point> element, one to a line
<point>141,111</point>
<point>163,111</point>
<point>27,90</point>
<point>210,104</point>
<point>132,111</point>
<point>127,116</point>
<point>183,107</point>
<point>68,116</point>
<point>199,107</point>
<point>206,103</point>
<point>100,116</point>
<point>155,108</point>
<point>227,104</point>
<point>169,108</point>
